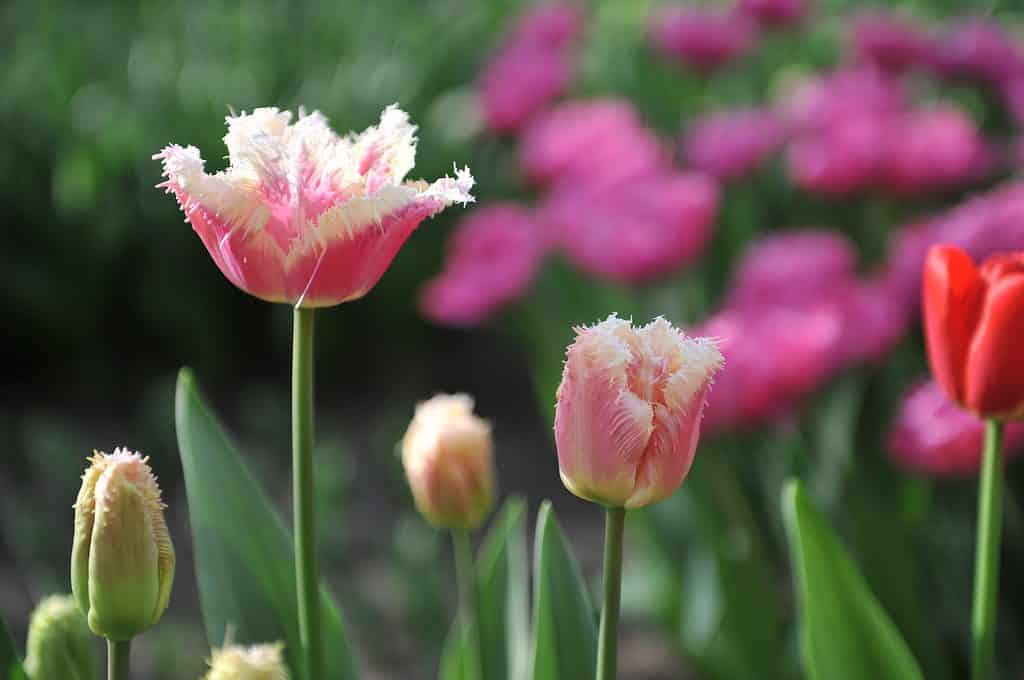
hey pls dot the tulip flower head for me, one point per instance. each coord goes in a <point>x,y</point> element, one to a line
<point>122,562</point>
<point>301,215</point>
<point>448,456</point>
<point>974,322</point>
<point>259,662</point>
<point>59,646</point>
<point>628,411</point>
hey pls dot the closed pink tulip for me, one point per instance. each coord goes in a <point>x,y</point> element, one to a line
<point>301,215</point>
<point>629,408</point>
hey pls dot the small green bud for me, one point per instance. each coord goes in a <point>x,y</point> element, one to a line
<point>122,561</point>
<point>259,662</point>
<point>60,646</point>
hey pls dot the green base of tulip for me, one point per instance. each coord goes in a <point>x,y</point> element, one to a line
<point>118,655</point>
<point>986,564</point>
<point>608,636</point>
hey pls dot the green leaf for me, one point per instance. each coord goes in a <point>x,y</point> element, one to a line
<point>454,655</point>
<point>844,632</point>
<point>10,659</point>
<point>504,603</point>
<point>564,621</point>
<point>243,550</point>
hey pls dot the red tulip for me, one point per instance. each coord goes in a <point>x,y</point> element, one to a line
<point>974,324</point>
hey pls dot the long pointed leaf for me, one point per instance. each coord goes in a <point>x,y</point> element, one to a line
<point>244,559</point>
<point>564,622</point>
<point>844,632</point>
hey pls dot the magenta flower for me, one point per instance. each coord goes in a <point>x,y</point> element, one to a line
<point>934,436</point>
<point>703,38</point>
<point>493,256</point>
<point>533,67</point>
<point>775,357</point>
<point>875,319</point>
<point>978,48</point>
<point>842,158</point>
<point>628,412</point>
<point>847,93</point>
<point>1012,91</point>
<point>729,144</point>
<point>793,268</point>
<point>578,140</point>
<point>774,12</point>
<point>889,41</point>
<point>636,229</point>
<point>930,149</point>
<point>302,215</point>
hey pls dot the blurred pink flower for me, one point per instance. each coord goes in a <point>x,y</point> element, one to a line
<point>1012,91</point>
<point>978,48</point>
<point>581,139</point>
<point>793,268</point>
<point>841,158</point>
<point>888,40</point>
<point>701,37</point>
<point>983,225</point>
<point>493,256</point>
<point>774,357</point>
<point>636,229</point>
<point>774,12</point>
<point>302,215</point>
<point>932,148</point>
<point>934,436</point>
<point>874,320</point>
<point>729,144</point>
<point>846,93</point>
<point>533,66</point>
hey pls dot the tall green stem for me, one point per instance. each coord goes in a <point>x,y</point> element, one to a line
<point>465,574</point>
<point>118,655</point>
<point>307,570</point>
<point>986,562</point>
<point>608,636</point>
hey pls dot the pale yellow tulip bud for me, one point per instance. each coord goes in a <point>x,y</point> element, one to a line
<point>122,561</point>
<point>259,662</point>
<point>448,457</point>
<point>60,646</point>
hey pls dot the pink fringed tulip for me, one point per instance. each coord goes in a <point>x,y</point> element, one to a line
<point>580,140</point>
<point>841,158</point>
<point>978,48</point>
<point>448,457</point>
<point>532,68</point>
<point>704,39</point>
<point>729,144</point>
<point>819,102</point>
<point>492,259</point>
<point>634,230</point>
<point>930,149</point>
<point>934,436</point>
<point>301,215</point>
<point>628,411</point>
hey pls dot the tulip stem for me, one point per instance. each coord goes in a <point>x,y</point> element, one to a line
<point>608,637</point>
<point>118,655</point>
<point>465,575</point>
<point>307,570</point>
<point>986,563</point>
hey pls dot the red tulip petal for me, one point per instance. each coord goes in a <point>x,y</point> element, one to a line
<point>953,294</point>
<point>995,363</point>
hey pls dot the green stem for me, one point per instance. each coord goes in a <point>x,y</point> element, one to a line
<point>307,570</point>
<point>118,655</point>
<point>465,574</point>
<point>608,637</point>
<point>986,563</point>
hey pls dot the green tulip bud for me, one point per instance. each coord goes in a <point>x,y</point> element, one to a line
<point>259,662</point>
<point>122,561</point>
<point>60,646</point>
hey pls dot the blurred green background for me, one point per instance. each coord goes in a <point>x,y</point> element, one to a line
<point>108,292</point>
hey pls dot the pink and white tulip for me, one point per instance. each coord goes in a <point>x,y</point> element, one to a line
<point>629,409</point>
<point>302,215</point>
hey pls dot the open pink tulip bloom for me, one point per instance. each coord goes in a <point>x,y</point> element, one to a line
<point>629,408</point>
<point>303,215</point>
